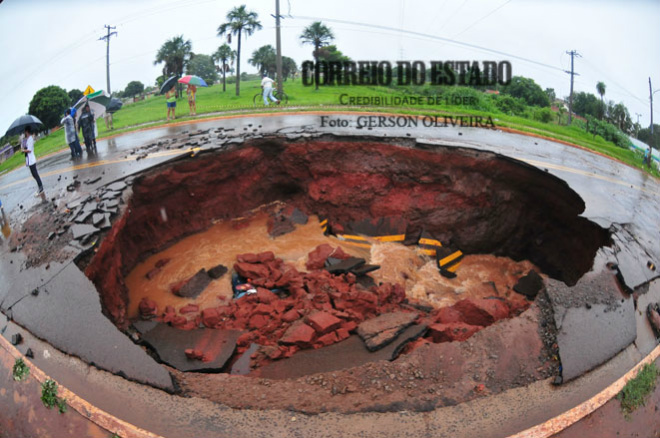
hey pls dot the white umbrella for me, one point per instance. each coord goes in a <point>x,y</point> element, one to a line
<point>97,103</point>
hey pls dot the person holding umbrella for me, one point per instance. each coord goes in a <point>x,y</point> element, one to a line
<point>27,147</point>
<point>170,98</point>
<point>192,91</point>
<point>86,123</point>
<point>71,135</point>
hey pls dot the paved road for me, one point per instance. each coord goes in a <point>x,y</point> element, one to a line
<point>613,194</point>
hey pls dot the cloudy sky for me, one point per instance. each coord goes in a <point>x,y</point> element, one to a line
<point>48,42</point>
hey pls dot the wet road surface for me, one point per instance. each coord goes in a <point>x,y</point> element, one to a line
<point>613,194</point>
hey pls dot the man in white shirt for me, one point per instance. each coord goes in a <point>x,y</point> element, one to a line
<point>30,160</point>
<point>267,86</point>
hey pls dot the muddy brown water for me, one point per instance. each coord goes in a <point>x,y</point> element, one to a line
<point>478,275</point>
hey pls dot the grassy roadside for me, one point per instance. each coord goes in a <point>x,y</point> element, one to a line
<point>637,390</point>
<point>212,101</point>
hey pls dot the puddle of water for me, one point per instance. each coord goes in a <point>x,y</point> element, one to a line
<point>220,244</point>
<point>478,275</point>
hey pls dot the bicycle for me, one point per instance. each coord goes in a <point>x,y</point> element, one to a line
<point>259,98</point>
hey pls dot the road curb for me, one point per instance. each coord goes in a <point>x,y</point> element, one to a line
<point>83,407</point>
<point>127,430</point>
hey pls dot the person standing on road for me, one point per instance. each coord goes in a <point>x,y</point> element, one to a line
<point>86,123</point>
<point>30,160</point>
<point>267,86</point>
<point>170,98</point>
<point>71,135</point>
<point>192,92</point>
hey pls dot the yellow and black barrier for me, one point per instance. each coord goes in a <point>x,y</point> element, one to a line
<point>447,258</point>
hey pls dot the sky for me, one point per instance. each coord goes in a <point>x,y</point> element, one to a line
<point>48,42</point>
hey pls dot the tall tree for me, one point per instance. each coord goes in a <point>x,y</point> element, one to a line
<point>49,104</point>
<point>528,90</point>
<point>239,22</point>
<point>133,89</point>
<point>264,59</point>
<point>319,35</point>
<point>176,54</point>
<point>600,87</point>
<point>225,56</point>
<point>75,95</point>
<point>289,67</point>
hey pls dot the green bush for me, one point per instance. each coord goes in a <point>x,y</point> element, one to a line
<point>608,131</point>
<point>544,115</point>
<point>512,106</point>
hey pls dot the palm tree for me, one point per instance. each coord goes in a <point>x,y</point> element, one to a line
<point>176,54</point>
<point>600,87</point>
<point>224,55</point>
<point>318,35</point>
<point>239,21</point>
<point>263,58</point>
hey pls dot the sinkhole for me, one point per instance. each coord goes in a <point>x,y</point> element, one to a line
<point>326,264</point>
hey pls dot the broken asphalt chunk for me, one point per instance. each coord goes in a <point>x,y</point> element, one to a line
<point>217,271</point>
<point>80,231</point>
<point>384,329</point>
<point>529,285</point>
<point>194,286</point>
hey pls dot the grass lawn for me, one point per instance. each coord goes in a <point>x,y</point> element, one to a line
<point>213,101</point>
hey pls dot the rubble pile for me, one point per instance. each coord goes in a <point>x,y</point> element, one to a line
<point>289,310</point>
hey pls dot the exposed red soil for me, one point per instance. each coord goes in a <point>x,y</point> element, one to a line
<point>477,201</point>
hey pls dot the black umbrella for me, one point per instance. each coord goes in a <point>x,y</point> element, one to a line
<point>115,105</point>
<point>22,122</point>
<point>169,83</point>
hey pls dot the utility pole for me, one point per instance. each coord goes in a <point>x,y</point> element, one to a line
<point>278,43</point>
<point>107,53</point>
<point>651,100</point>
<point>637,125</point>
<point>573,53</point>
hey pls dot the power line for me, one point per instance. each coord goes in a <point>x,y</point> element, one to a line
<point>432,37</point>
<point>482,18</point>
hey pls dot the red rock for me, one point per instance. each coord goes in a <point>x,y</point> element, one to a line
<point>323,322</point>
<point>482,311</point>
<point>316,259</point>
<point>176,287</point>
<point>454,331</point>
<point>349,326</point>
<point>162,262</point>
<point>151,274</point>
<point>339,253</point>
<point>448,314</point>
<point>300,334</point>
<point>210,317</point>
<point>291,315</point>
<point>247,258</point>
<point>264,257</point>
<point>178,321</point>
<point>252,271</point>
<point>342,334</point>
<point>148,308</point>
<point>257,321</point>
<point>189,308</point>
<point>263,309</point>
<point>327,339</point>
<point>245,339</point>
<point>391,293</point>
